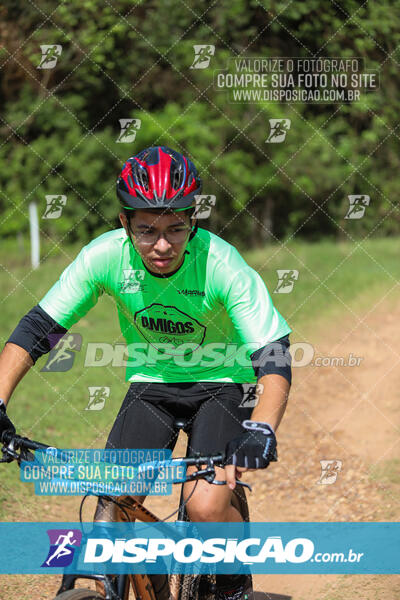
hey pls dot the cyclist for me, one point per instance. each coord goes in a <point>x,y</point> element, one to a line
<point>182,294</point>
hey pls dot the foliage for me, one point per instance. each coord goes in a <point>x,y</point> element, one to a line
<point>128,59</point>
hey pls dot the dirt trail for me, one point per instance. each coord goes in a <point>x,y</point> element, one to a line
<point>350,414</point>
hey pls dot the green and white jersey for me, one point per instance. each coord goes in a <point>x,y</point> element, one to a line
<point>199,324</point>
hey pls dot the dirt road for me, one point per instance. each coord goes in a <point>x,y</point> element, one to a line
<point>349,414</point>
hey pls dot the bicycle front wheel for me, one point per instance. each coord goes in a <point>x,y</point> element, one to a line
<point>79,594</point>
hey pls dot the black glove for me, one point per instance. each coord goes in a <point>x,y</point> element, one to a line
<point>254,449</point>
<point>5,423</point>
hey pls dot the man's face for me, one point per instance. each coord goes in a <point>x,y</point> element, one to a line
<point>160,239</point>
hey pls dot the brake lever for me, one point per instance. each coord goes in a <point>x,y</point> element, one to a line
<point>6,459</point>
<point>246,485</point>
<point>25,455</point>
<point>9,454</point>
<point>238,482</point>
<point>208,474</point>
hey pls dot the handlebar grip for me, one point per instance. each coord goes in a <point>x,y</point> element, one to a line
<point>7,436</point>
<point>21,442</point>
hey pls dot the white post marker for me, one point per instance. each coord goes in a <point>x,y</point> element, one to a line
<point>34,229</point>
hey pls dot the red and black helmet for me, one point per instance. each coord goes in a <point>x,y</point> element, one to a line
<point>158,177</point>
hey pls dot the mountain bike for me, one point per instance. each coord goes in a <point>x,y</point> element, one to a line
<point>143,586</point>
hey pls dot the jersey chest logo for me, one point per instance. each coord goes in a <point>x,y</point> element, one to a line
<point>169,328</point>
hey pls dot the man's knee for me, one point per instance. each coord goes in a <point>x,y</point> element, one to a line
<point>201,509</point>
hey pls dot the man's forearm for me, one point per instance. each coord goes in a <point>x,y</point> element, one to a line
<point>272,400</point>
<point>15,362</point>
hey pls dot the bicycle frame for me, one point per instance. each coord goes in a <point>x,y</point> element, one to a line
<point>117,587</point>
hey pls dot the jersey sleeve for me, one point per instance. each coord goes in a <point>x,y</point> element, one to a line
<point>75,293</point>
<point>248,303</point>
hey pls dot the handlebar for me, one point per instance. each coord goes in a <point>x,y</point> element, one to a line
<point>16,447</point>
<point>21,442</point>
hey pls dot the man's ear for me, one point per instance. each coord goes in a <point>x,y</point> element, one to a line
<point>194,222</point>
<point>193,219</point>
<point>124,221</point>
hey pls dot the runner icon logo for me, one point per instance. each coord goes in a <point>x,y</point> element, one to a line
<point>132,281</point>
<point>204,204</point>
<point>286,280</point>
<point>129,127</point>
<point>63,543</point>
<point>54,206</point>
<point>251,393</point>
<point>50,55</point>
<point>329,471</point>
<point>202,55</point>
<point>279,129</point>
<point>62,356</point>
<point>357,206</point>
<point>97,397</point>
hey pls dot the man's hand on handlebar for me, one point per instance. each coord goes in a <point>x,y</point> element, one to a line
<point>254,449</point>
<point>5,422</point>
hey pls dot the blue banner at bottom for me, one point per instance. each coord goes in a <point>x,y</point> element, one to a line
<point>303,548</point>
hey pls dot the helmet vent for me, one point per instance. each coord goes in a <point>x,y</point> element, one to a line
<point>142,176</point>
<point>177,176</point>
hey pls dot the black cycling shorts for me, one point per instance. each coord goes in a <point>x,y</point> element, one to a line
<point>215,412</point>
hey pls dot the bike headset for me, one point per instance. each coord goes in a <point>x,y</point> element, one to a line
<point>161,178</point>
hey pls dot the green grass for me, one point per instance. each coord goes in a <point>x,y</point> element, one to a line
<point>51,406</point>
<point>387,471</point>
<point>335,279</point>
<point>387,474</point>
